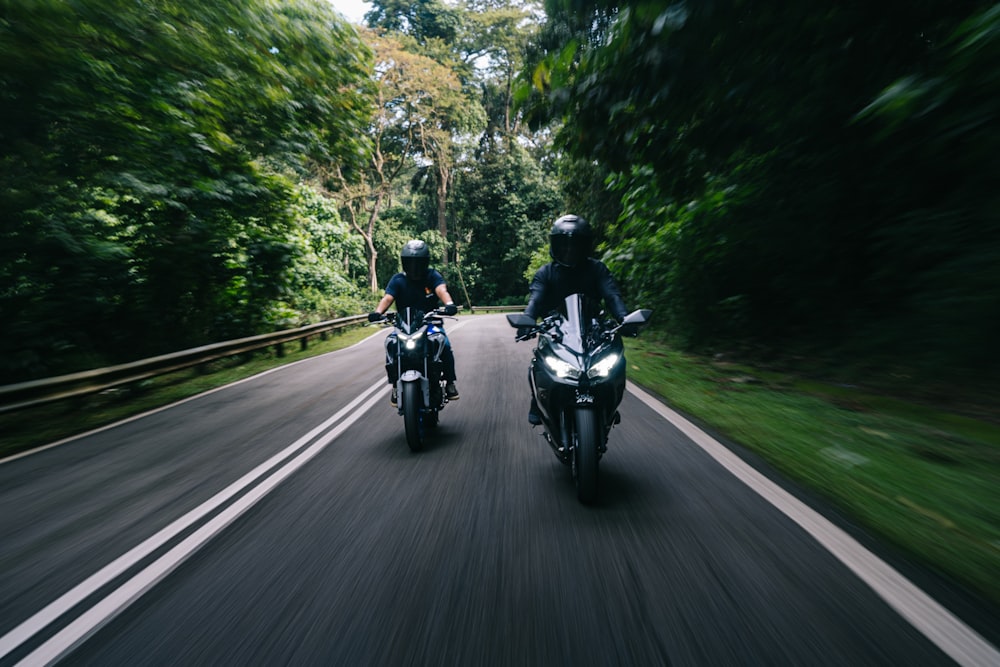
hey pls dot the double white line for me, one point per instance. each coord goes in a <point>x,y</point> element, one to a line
<point>260,481</point>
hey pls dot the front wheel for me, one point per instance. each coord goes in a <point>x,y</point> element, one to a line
<point>412,401</point>
<point>585,456</point>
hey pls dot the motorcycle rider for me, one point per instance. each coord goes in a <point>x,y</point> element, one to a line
<point>417,286</point>
<point>571,271</point>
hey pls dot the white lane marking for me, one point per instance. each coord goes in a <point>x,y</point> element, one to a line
<point>133,418</point>
<point>960,642</point>
<point>47,615</point>
<point>105,575</point>
<point>112,605</point>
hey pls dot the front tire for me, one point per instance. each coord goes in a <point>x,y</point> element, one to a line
<point>585,456</point>
<point>412,401</point>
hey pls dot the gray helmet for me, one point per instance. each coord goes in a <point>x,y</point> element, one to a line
<point>571,240</point>
<point>416,259</point>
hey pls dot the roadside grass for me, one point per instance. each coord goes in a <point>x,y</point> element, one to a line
<point>925,478</point>
<point>33,427</point>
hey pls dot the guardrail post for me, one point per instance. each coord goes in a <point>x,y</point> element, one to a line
<point>302,343</point>
<point>279,349</point>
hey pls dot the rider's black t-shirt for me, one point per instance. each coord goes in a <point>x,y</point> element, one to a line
<point>415,293</point>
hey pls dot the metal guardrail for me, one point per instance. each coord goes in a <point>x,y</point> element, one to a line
<point>37,392</point>
<point>496,309</point>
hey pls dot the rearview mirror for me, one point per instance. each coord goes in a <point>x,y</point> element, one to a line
<point>517,320</point>
<point>638,317</point>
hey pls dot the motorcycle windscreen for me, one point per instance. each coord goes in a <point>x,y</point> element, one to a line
<point>410,319</point>
<point>574,326</point>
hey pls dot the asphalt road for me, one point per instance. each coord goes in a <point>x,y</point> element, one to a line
<point>283,520</point>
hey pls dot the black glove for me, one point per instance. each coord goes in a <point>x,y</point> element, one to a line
<point>450,309</point>
<point>375,316</point>
<point>630,330</point>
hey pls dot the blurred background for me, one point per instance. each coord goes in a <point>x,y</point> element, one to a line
<point>812,184</point>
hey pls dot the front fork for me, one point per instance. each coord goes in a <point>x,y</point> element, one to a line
<point>563,440</point>
<point>567,429</point>
<point>563,443</point>
<point>415,376</point>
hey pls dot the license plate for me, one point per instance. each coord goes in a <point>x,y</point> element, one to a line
<point>584,399</point>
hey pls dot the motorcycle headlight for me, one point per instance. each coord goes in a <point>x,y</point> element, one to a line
<point>561,368</point>
<point>410,342</point>
<point>603,367</point>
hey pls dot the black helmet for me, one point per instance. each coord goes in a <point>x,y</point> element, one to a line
<point>416,259</point>
<point>570,240</point>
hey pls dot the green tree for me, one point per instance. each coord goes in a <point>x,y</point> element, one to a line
<point>728,133</point>
<point>506,204</point>
<point>419,106</point>
<point>330,265</point>
<point>139,179</point>
<point>938,256</point>
<point>432,30</point>
<point>495,40</point>
<point>423,20</point>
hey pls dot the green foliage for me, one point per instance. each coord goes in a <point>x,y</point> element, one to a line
<point>423,115</point>
<point>801,177</point>
<point>141,210</point>
<point>423,20</point>
<point>538,259</point>
<point>503,208</point>
<point>447,158</point>
<point>329,267</point>
<point>396,227</point>
<point>939,254</point>
<point>585,191</point>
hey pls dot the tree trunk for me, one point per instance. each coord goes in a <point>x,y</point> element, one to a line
<point>372,256</point>
<point>444,173</point>
<point>370,244</point>
<point>458,267</point>
<point>369,236</point>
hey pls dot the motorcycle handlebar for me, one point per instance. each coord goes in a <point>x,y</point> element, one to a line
<point>552,321</point>
<point>436,314</point>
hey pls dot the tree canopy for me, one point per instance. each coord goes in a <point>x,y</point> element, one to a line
<point>148,169</point>
<point>804,180</point>
<point>805,177</point>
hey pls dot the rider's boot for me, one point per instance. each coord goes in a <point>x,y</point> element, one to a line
<point>534,418</point>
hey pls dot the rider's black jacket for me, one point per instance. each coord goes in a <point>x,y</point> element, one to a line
<point>554,282</point>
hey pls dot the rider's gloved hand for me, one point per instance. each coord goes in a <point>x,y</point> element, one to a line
<point>450,309</point>
<point>630,330</point>
<point>375,316</point>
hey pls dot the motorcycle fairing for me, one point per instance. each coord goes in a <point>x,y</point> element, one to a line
<point>562,377</point>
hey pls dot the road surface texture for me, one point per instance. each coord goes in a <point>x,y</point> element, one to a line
<point>283,521</point>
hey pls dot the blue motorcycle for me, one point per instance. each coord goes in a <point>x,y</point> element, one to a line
<point>416,346</point>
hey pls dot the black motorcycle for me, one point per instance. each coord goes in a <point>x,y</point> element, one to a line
<point>416,346</point>
<point>577,379</point>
